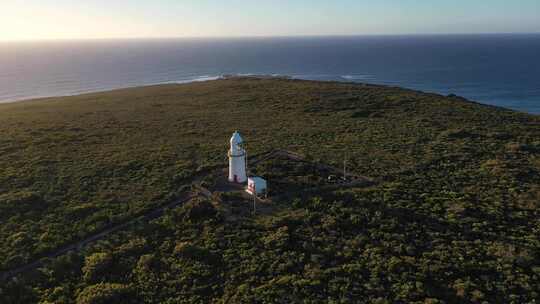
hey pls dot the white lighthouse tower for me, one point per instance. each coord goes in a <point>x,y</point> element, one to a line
<point>237,160</point>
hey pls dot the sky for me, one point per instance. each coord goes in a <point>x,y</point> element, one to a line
<point>94,19</point>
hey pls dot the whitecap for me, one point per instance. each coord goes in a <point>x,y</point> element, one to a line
<point>356,77</point>
<point>199,79</point>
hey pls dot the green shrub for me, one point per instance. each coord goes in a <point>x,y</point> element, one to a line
<point>107,293</point>
<point>96,266</point>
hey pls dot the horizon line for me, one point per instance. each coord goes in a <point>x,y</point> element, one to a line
<point>265,36</point>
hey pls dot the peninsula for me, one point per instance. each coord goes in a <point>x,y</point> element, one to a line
<point>376,194</point>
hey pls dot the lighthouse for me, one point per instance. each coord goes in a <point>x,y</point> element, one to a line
<point>237,160</point>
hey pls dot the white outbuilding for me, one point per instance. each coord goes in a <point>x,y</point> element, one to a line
<point>237,160</point>
<point>256,185</point>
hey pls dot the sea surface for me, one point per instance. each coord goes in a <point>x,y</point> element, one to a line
<point>502,70</point>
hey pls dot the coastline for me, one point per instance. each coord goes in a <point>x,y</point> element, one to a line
<point>204,78</point>
<point>346,79</point>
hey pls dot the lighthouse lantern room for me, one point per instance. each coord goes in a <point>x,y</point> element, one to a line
<point>237,160</point>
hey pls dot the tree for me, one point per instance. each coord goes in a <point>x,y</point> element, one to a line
<point>104,293</point>
<point>95,266</point>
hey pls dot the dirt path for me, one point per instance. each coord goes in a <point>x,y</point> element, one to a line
<point>77,246</point>
<point>153,214</point>
<point>156,213</point>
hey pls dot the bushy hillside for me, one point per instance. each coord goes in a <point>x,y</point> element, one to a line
<point>452,218</point>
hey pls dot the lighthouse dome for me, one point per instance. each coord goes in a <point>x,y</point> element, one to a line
<point>236,139</point>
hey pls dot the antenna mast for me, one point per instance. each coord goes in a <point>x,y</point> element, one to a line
<point>254,198</point>
<point>345,167</point>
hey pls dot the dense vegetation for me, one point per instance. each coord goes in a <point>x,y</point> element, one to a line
<point>452,218</point>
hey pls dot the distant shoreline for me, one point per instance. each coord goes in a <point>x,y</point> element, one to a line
<point>204,78</point>
<point>246,76</point>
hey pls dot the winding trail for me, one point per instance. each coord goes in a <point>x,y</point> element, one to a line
<point>185,197</point>
<point>153,214</point>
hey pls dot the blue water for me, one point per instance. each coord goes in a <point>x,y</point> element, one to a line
<point>502,70</point>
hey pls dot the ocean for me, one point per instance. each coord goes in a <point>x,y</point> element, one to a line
<point>501,70</point>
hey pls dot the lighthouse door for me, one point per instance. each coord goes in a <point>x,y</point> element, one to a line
<point>236,178</point>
